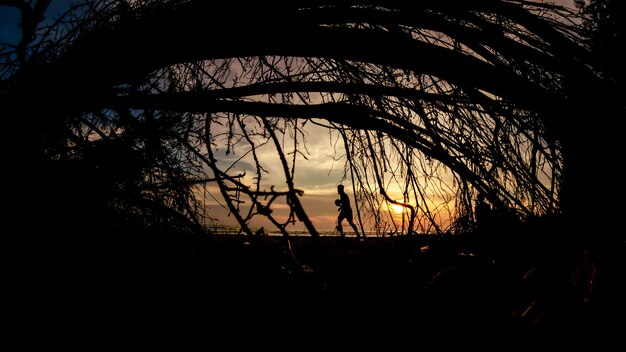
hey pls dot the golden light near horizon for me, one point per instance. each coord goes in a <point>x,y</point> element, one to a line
<point>396,208</point>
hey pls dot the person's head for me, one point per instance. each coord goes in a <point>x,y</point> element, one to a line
<point>339,188</point>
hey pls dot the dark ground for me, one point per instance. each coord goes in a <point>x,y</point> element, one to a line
<point>406,288</point>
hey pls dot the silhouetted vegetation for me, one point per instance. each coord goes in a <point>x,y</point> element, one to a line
<point>119,117</point>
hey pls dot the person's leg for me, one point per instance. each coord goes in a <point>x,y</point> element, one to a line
<point>339,227</point>
<point>354,228</point>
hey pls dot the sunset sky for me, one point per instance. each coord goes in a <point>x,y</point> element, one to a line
<point>318,176</point>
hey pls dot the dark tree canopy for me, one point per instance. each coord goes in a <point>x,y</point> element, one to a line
<point>435,99</point>
<point>122,119</point>
<point>604,28</point>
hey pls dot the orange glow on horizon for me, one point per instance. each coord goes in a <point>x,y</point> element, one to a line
<point>396,208</point>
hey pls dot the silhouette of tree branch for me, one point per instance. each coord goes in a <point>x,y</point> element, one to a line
<point>474,89</point>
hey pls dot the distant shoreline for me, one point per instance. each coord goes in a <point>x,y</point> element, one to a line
<point>304,233</point>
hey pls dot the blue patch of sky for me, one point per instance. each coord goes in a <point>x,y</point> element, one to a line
<point>10,33</point>
<point>10,19</point>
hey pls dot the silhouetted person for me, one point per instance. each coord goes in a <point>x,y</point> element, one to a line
<point>483,213</point>
<point>345,211</point>
<point>486,219</point>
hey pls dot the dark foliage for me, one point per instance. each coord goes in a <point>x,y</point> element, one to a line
<point>118,119</point>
